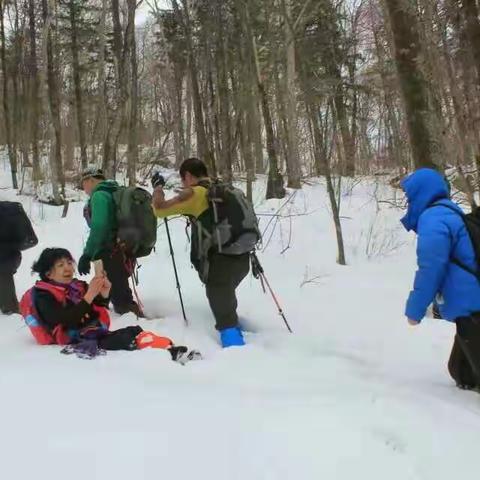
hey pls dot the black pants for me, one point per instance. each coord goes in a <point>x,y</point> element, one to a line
<point>117,272</point>
<point>225,275</point>
<point>122,339</point>
<point>8,296</point>
<point>464,363</point>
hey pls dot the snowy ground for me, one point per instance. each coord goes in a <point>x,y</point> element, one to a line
<point>353,393</point>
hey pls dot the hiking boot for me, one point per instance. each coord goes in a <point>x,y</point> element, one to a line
<point>183,355</point>
<point>466,386</point>
<point>10,310</point>
<point>231,337</point>
<point>133,307</point>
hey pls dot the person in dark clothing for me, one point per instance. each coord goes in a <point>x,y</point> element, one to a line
<point>10,260</point>
<point>464,362</point>
<point>224,276</point>
<point>220,273</point>
<point>71,312</point>
<point>102,244</point>
<point>16,233</point>
<point>443,246</point>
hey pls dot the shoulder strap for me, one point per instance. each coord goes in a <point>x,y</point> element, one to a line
<point>453,209</point>
<point>205,184</point>
<point>454,260</point>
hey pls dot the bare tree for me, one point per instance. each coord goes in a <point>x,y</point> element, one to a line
<point>133,99</point>
<point>73,7</point>
<point>34,100</point>
<point>12,153</point>
<point>58,178</point>
<point>422,120</point>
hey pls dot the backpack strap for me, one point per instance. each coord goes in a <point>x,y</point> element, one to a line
<point>447,206</point>
<point>205,184</point>
<point>454,260</point>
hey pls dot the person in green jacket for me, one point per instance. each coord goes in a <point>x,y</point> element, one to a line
<point>100,214</point>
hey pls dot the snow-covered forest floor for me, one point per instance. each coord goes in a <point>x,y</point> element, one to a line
<point>353,393</point>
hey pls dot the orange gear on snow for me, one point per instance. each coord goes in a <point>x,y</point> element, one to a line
<point>149,339</point>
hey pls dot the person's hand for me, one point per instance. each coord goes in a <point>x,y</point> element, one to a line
<point>158,180</point>
<point>158,198</point>
<point>413,323</point>
<point>105,292</point>
<point>94,288</point>
<point>84,265</point>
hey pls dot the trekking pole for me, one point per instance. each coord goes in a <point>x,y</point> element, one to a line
<point>176,273</point>
<point>259,273</point>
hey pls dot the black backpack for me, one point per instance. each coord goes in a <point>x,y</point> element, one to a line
<point>235,226</point>
<point>16,230</point>
<point>472,224</point>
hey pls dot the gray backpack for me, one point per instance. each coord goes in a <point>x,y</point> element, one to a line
<point>234,223</point>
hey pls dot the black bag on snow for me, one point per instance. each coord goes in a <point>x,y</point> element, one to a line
<point>235,226</point>
<point>16,230</point>
<point>472,224</point>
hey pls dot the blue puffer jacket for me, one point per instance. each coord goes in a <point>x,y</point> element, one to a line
<point>442,235</point>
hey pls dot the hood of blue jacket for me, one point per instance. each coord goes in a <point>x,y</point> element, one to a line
<point>422,188</point>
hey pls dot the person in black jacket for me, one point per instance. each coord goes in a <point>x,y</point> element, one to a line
<point>10,259</point>
<point>16,234</point>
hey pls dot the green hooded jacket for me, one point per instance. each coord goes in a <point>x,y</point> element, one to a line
<point>102,220</point>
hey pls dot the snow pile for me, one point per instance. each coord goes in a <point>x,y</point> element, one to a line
<point>353,393</point>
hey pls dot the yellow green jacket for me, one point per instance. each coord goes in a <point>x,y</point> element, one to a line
<point>197,209</point>
<point>194,206</point>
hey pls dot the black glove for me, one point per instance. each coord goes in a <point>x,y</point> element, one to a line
<point>84,265</point>
<point>158,180</point>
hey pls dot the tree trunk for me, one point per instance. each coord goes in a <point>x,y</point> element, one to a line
<point>116,115</point>
<point>423,126</point>
<point>34,91</point>
<point>58,178</point>
<point>470,10</point>
<point>12,154</point>
<point>223,97</point>
<point>211,116</point>
<point>334,62</point>
<point>397,149</point>
<point>250,127</point>
<point>280,115</point>
<point>254,121</point>
<point>102,127</point>
<point>18,130</point>
<point>352,66</point>
<point>321,159</point>
<point>293,158</point>
<point>202,144</point>
<point>341,117</point>
<point>77,81</point>
<point>176,95</point>
<point>243,90</point>
<point>188,131</point>
<point>275,188</point>
<point>69,141</point>
<point>133,103</point>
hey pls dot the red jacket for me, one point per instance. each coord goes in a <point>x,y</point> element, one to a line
<point>59,334</point>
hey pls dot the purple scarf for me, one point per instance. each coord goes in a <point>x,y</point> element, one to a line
<point>74,290</point>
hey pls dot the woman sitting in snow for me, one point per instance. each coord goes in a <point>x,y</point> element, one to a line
<point>62,310</point>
